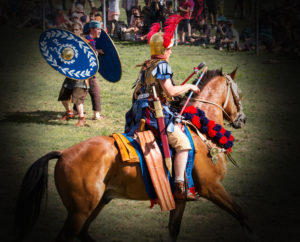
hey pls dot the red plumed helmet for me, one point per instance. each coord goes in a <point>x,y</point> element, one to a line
<point>159,41</point>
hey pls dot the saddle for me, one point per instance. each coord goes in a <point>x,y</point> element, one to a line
<point>146,150</point>
<point>154,161</point>
<point>127,151</point>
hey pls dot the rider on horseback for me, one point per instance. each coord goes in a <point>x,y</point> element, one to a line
<point>157,72</point>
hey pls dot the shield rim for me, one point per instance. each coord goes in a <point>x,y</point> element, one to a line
<point>118,58</point>
<point>81,39</point>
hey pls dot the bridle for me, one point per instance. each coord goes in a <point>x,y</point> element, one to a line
<point>231,86</point>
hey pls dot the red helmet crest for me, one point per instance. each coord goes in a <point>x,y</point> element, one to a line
<point>168,31</point>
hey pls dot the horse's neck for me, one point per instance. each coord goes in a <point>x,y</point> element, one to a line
<point>215,92</point>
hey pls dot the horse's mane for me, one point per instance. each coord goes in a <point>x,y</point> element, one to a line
<point>209,75</point>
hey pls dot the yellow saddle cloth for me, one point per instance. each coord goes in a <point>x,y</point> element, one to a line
<point>127,151</point>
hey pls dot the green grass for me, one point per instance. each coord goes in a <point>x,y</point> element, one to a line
<point>264,185</point>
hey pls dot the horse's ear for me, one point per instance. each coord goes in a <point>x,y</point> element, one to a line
<point>232,74</point>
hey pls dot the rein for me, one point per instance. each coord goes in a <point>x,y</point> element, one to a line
<point>209,146</point>
<point>228,80</point>
<point>217,105</point>
<point>214,150</point>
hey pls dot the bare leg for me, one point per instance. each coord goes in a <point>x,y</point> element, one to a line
<point>112,28</point>
<point>175,220</point>
<point>180,164</point>
<point>81,118</point>
<point>66,104</point>
<point>180,190</point>
<point>69,113</point>
<point>96,115</point>
<point>183,37</point>
<point>189,30</point>
<point>80,109</point>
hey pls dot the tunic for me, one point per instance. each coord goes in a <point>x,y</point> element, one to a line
<point>142,106</point>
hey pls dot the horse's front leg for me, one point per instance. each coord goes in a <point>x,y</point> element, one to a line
<point>218,195</point>
<point>175,220</point>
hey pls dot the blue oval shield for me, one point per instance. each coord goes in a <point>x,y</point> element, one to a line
<point>68,54</point>
<point>109,63</point>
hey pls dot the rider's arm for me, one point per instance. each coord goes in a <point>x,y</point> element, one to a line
<point>173,91</point>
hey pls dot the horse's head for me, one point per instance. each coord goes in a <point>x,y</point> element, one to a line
<point>233,104</point>
<point>220,98</point>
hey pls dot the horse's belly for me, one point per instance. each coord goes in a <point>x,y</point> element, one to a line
<point>127,183</point>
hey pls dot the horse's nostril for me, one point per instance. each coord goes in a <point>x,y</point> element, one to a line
<point>242,118</point>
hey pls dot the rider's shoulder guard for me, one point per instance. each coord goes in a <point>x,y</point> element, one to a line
<point>162,71</point>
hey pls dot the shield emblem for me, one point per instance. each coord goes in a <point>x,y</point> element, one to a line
<point>109,63</point>
<point>68,54</point>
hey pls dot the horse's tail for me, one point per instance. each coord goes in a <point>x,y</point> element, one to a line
<point>31,193</point>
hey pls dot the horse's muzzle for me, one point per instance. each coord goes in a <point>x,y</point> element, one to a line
<point>240,121</point>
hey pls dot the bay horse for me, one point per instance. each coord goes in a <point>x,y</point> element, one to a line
<point>90,174</point>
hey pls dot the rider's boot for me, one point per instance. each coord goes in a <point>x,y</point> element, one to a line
<point>181,193</point>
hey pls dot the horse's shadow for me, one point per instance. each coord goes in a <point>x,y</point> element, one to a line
<point>39,117</point>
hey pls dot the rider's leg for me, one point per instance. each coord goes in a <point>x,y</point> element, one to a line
<point>179,141</point>
<point>180,161</point>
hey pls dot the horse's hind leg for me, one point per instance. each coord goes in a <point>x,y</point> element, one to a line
<point>79,178</point>
<point>81,204</point>
<point>79,218</point>
<point>72,227</point>
<point>175,220</point>
<point>84,235</point>
<point>217,194</point>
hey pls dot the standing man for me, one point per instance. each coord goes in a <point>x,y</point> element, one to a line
<point>156,72</point>
<point>93,32</point>
<point>76,89</point>
<point>184,10</point>
<point>127,5</point>
<point>113,15</point>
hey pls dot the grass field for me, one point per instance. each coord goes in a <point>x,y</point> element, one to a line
<point>265,185</point>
